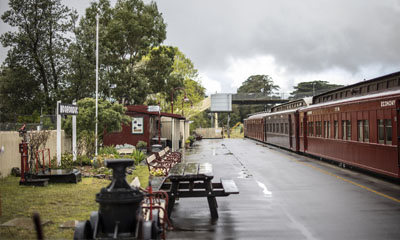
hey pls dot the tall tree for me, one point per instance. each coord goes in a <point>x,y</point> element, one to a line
<point>133,31</point>
<point>306,89</point>
<point>253,84</point>
<point>39,45</point>
<point>258,84</point>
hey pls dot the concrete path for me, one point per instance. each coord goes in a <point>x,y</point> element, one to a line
<point>286,196</point>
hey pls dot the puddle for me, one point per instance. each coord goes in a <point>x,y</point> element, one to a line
<point>265,189</point>
<point>244,174</point>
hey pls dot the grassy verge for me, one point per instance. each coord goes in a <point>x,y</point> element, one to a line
<point>58,203</point>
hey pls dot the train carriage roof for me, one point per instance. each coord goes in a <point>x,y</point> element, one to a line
<point>394,93</point>
<point>288,107</point>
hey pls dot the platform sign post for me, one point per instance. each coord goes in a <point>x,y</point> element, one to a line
<point>66,109</point>
<point>74,135</point>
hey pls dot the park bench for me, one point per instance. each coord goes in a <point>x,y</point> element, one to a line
<point>174,157</point>
<point>174,154</point>
<point>154,164</point>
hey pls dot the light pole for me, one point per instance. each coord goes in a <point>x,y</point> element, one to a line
<point>172,98</point>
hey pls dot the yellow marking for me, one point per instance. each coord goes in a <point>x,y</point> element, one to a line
<point>349,181</point>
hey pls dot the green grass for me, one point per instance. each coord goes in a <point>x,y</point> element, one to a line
<point>57,202</point>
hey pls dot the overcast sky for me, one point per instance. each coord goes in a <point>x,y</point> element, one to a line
<point>338,41</point>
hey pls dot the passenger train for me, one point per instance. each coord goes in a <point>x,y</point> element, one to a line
<point>356,125</point>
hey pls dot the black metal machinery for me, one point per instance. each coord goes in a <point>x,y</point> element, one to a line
<point>120,210</point>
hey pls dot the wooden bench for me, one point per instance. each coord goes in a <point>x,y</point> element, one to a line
<point>177,155</point>
<point>154,164</point>
<point>194,180</point>
<point>163,156</point>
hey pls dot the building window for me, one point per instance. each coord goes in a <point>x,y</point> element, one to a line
<point>336,129</point>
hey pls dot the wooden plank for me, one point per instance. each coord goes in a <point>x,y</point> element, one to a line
<point>156,182</point>
<point>229,186</point>
<point>191,169</point>
<point>205,169</point>
<point>177,170</point>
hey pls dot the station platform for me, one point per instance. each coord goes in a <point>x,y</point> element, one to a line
<point>286,196</point>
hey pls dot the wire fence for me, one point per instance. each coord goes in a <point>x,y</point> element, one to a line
<point>47,122</point>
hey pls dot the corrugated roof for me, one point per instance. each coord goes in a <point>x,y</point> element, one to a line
<point>143,109</point>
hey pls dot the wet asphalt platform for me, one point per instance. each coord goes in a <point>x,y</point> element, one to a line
<point>286,196</point>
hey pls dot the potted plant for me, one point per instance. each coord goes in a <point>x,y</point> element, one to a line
<point>191,138</point>
<point>142,146</point>
<point>187,143</point>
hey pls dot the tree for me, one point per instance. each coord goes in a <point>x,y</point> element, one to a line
<point>132,32</point>
<point>110,117</point>
<point>254,84</point>
<point>306,89</point>
<point>38,47</point>
<point>258,84</point>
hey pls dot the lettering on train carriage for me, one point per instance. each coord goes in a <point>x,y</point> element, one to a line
<point>388,103</point>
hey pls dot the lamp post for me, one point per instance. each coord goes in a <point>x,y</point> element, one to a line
<point>172,98</point>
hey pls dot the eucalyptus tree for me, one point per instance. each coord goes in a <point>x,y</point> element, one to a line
<point>37,55</point>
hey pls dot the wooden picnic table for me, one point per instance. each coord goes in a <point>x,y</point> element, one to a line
<point>195,180</point>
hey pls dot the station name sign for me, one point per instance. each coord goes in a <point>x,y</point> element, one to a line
<point>67,109</point>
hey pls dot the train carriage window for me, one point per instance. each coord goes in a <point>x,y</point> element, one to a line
<point>366,131</point>
<point>388,131</point>
<point>348,130</point>
<point>381,131</point>
<point>301,128</point>
<point>318,130</point>
<point>273,127</point>
<point>327,129</point>
<point>343,129</point>
<point>336,126</point>
<point>360,130</point>
<point>286,128</point>
<point>282,130</point>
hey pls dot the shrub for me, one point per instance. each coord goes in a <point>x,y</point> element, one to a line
<point>141,145</point>
<point>138,156</point>
<point>157,172</point>
<point>66,161</point>
<point>108,150</point>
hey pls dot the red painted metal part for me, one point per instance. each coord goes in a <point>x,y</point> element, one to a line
<point>23,149</point>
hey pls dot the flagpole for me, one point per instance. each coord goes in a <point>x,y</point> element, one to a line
<point>97,79</point>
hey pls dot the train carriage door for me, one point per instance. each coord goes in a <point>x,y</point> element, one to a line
<point>290,131</point>
<point>305,131</point>
<point>265,129</point>
<point>397,120</point>
<point>296,130</point>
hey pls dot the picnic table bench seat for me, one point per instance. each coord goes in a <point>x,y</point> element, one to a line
<point>186,180</point>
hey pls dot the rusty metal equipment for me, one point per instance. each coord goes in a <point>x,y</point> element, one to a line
<point>120,212</point>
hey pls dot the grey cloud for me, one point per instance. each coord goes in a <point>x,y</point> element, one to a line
<point>305,36</point>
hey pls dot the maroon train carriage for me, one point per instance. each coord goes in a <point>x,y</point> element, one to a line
<point>254,127</point>
<point>359,131</point>
<point>282,124</point>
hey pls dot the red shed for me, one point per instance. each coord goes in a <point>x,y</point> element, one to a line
<point>143,127</point>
